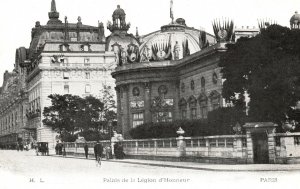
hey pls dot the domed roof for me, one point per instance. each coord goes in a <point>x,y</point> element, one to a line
<point>295,19</point>
<point>119,12</point>
<point>175,39</point>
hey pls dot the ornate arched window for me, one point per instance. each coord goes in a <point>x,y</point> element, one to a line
<point>202,99</point>
<point>193,107</point>
<point>202,82</point>
<point>182,87</point>
<point>182,107</point>
<point>215,98</point>
<point>192,85</point>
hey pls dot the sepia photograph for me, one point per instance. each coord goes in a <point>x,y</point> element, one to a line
<point>149,93</point>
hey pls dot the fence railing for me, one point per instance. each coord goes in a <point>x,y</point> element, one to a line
<point>226,146</point>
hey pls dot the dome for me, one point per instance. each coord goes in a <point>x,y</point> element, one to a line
<point>172,42</point>
<point>119,12</point>
<point>295,19</point>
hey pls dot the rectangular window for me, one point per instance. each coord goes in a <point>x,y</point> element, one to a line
<point>85,48</point>
<point>87,75</point>
<point>138,119</point>
<point>66,75</point>
<point>87,88</point>
<point>66,89</point>
<point>86,61</point>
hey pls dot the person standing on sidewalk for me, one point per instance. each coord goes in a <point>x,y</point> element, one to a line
<point>86,150</point>
<point>98,150</point>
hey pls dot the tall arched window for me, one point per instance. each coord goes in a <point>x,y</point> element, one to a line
<point>182,107</point>
<point>202,82</point>
<point>193,107</point>
<point>203,105</point>
<point>215,98</point>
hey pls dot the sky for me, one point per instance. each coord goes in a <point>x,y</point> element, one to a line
<point>18,17</point>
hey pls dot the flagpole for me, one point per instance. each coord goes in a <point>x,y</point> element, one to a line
<point>171,11</point>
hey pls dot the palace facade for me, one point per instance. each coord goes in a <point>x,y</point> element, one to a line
<point>174,74</point>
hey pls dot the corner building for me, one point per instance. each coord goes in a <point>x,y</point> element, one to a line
<point>63,58</point>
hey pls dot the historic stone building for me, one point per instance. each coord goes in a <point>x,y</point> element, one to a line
<point>63,58</point>
<point>174,74</point>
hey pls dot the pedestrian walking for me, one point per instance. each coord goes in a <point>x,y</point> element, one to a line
<point>86,150</point>
<point>98,150</point>
<point>64,153</point>
<point>107,152</point>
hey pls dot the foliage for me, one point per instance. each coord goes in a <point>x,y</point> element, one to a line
<point>69,114</point>
<point>93,135</point>
<point>62,115</point>
<point>219,122</point>
<point>109,108</point>
<point>267,67</point>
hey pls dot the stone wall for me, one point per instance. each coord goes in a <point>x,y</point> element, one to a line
<point>286,147</point>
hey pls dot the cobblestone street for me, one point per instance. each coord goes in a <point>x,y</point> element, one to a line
<point>29,171</point>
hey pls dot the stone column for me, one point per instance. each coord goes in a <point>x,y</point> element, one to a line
<point>176,100</point>
<point>250,157</point>
<point>147,102</point>
<point>238,147</point>
<point>126,112</point>
<point>119,109</point>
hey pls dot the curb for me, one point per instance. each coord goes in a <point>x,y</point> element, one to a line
<point>184,167</point>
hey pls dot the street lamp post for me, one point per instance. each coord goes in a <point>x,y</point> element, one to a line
<point>110,128</point>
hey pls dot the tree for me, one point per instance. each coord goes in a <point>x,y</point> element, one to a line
<point>267,67</point>
<point>61,115</point>
<point>109,108</point>
<point>69,114</point>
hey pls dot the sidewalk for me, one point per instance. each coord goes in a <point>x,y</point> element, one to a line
<point>203,166</point>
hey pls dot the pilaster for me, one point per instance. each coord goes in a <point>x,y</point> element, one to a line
<point>148,116</point>
<point>249,148</point>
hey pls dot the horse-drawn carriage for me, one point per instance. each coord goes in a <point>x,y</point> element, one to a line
<point>42,148</point>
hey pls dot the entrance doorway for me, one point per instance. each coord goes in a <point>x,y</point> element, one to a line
<point>260,148</point>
